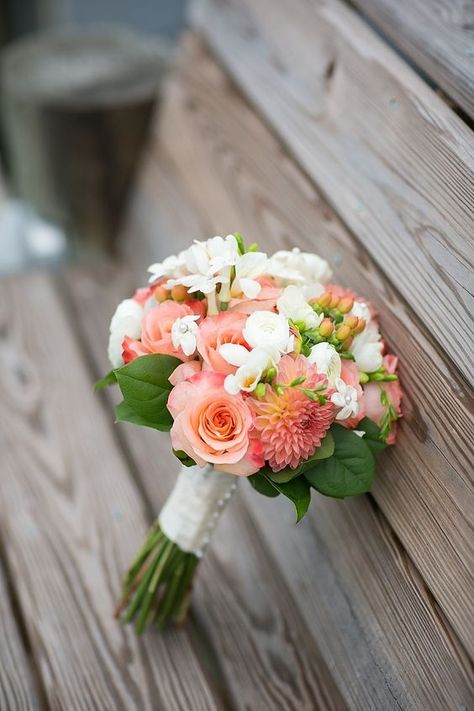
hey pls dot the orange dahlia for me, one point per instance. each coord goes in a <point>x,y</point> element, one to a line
<point>290,425</point>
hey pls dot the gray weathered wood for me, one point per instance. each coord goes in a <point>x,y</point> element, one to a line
<point>72,519</point>
<point>388,153</point>
<point>374,620</point>
<point>17,688</point>
<point>438,35</point>
<point>237,176</point>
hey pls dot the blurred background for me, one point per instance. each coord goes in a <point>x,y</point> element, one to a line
<point>79,81</point>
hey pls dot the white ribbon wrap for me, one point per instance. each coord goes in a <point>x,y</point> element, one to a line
<point>194,506</point>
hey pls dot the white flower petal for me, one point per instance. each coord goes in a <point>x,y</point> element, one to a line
<point>231,385</point>
<point>249,287</point>
<point>234,353</point>
<point>188,343</point>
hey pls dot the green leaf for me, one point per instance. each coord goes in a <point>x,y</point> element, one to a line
<point>350,470</point>
<point>324,451</point>
<point>371,436</point>
<point>145,387</point>
<point>184,458</point>
<point>108,379</point>
<point>298,491</point>
<point>124,413</point>
<point>260,484</point>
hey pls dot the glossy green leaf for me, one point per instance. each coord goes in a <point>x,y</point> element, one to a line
<point>260,484</point>
<point>298,491</point>
<point>109,379</point>
<point>349,471</point>
<point>124,413</point>
<point>371,436</point>
<point>145,387</point>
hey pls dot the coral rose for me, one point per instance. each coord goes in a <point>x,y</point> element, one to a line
<point>212,426</point>
<point>214,331</point>
<point>156,328</point>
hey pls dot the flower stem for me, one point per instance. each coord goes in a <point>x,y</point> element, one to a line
<point>158,584</point>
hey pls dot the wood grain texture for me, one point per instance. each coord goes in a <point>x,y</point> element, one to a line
<point>438,35</point>
<point>270,659</point>
<point>383,636</point>
<point>387,152</point>
<point>71,520</point>
<point>17,687</point>
<point>238,177</point>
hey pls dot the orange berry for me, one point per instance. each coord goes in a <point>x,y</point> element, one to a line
<point>161,294</point>
<point>360,327</point>
<point>334,303</point>
<point>352,322</point>
<point>343,332</point>
<point>324,299</point>
<point>179,292</point>
<point>326,327</point>
<point>346,304</point>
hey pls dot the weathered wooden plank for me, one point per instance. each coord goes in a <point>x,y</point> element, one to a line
<point>71,520</point>
<point>238,177</point>
<point>438,35</point>
<point>389,154</point>
<point>17,688</point>
<point>382,634</point>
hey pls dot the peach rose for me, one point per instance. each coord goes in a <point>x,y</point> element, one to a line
<point>212,426</point>
<point>226,327</point>
<point>264,301</point>
<point>156,328</point>
<point>132,349</point>
<point>373,406</point>
<point>142,295</point>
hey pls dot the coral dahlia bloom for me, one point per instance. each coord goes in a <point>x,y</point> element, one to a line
<point>291,426</point>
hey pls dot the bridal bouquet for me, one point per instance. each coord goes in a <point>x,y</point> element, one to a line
<point>258,367</point>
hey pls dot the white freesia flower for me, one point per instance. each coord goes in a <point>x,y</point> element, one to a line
<point>223,252</point>
<point>171,266</point>
<point>208,264</point>
<point>248,375</point>
<point>327,361</point>
<point>345,397</point>
<point>196,282</point>
<point>265,329</point>
<point>292,304</point>
<point>235,354</point>
<point>248,267</point>
<point>299,267</point>
<point>183,334</point>
<point>367,346</point>
<point>126,321</point>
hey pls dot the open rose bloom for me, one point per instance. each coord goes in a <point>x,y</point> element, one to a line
<point>259,368</point>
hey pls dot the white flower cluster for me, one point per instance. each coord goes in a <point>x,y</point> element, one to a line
<point>206,265</point>
<point>218,269</point>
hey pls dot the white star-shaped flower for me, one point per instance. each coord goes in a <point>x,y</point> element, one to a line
<point>183,334</point>
<point>345,397</point>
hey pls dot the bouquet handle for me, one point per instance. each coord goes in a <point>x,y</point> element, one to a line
<point>157,586</point>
